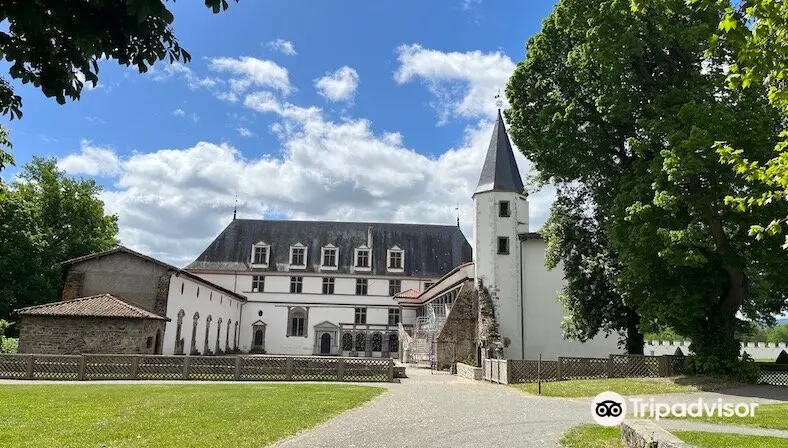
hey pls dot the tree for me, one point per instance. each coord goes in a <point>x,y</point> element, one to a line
<point>5,157</point>
<point>47,217</point>
<point>628,104</point>
<point>590,296</point>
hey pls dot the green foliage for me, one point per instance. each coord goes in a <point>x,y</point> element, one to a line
<point>56,45</point>
<point>5,157</point>
<point>47,217</point>
<point>629,104</point>
<point>744,369</point>
<point>7,345</point>
<point>777,333</point>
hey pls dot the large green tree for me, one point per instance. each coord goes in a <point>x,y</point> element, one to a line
<point>590,296</point>
<point>47,217</point>
<point>629,105</point>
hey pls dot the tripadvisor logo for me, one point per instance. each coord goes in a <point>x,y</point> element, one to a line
<point>610,408</point>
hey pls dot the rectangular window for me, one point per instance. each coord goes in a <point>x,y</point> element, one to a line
<point>297,326</point>
<point>330,257</point>
<point>328,285</point>
<point>361,286</point>
<point>395,287</point>
<point>503,245</point>
<point>393,316</point>
<point>258,283</point>
<point>362,259</point>
<point>395,260</point>
<point>296,284</point>
<point>503,209</point>
<point>297,256</point>
<point>361,315</point>
<point>260,255</point>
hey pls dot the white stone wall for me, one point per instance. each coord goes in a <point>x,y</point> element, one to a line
<point>543,313</point>
<point>758,350</point>
<point>501,272</point>
<point>210,302</point>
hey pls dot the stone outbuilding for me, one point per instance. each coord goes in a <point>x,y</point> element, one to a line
<point>96,324</point>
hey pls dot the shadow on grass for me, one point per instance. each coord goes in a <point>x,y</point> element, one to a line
<point>728,387</point>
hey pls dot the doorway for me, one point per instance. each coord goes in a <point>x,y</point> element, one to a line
<point>325,344</point>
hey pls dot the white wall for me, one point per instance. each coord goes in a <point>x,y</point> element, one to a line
<point>543,313</point>
<point>210,302</point>
<point>757,350</point>
<point>313,282</point>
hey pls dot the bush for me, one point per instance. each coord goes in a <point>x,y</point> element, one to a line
<point>9,345</point>
<point>744,370</point>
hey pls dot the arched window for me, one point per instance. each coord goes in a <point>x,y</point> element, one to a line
<point>227,336</point>
<point>178,331</point>
<point>218,334</point>
<point>258,337</point>
<point>195,319</point>
<point>207,348</point>
<point>347,342</point>
<point>377,342</point>
<point>235,336</point>
<point>296,322</point>
<point>360,342</point>
<point>393,342</point>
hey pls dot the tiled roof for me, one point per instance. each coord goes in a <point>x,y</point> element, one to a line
<point>103,305</point>
<point>410,293</point>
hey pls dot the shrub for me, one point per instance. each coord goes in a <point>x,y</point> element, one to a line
<point>9,345</point>
<point>744,370</point>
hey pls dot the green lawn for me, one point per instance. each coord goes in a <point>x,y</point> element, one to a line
<point>595,436</point>
<point>625,386</point>
<point>766,416</point>
<point>153,415</point>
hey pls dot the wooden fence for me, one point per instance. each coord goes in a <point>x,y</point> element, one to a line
<point>226,368</point>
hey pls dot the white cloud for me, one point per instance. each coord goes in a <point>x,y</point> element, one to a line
<point>251,72</point>
<point>180,70</point>
<point>340,85</point>
<point>178,112</point>
<point>282,46</point>
<point>91,160</point>
<point>244,132</point>
<point>463,84</point>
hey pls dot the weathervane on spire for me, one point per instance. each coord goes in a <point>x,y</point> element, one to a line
<point>235,206</point>
<point>457,208</point>
<point>498,100</point>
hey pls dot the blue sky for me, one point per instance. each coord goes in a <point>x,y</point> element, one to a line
<point>309,110</point>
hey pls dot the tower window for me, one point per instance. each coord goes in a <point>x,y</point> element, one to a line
<point>503,209</point>
<point>503,245</point>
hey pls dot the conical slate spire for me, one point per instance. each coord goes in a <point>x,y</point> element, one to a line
<point>500,172</point>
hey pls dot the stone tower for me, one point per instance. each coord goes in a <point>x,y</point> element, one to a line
<point>500,216</point>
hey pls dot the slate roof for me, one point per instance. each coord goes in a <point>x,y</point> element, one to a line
<point>177,270</point>
<point>429,250</point>
<point>102,305</point>
<point>499,172</point>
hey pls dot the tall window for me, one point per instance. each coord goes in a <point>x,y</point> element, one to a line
<point>395,259</point>
<point>503,209</point>
<point>503,245</point>
<point>328,285</point>
<point>361,286</point>
<point>361,315</point>
<point>393,316</point>
<point>258,283</point>
<point>395,287</point>
<point>297,322</point>
<point>298,255</point>
<point>260,254</point>
<point>329,257</point>
<point>362,258</point>
<point>347,342</point>
<point>296,284</point>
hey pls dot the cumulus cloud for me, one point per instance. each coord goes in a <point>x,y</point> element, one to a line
<point>181,71</point>
<point>463,84</point>
<point>340,85</point>
<point>178,112</point>
<point>282,46</point>
<point>248,72</point>
<point>91,160</point>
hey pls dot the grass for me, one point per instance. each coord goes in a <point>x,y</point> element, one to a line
<point>772,416</point>
<point>248,415</point>
<point>595,436</point>
<point>626,386</point>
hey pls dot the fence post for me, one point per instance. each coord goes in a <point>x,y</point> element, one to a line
<point>186,362</point>
<point>238,361</point>
<point>610,373</point>
<point>391,370</point>
<point>341,369</point>
<point>135,365</point>
<point>539,374</point>
<point>31,361</point>
<point>558,374</point>
<point>82,368</point>
<point>663,366</point>
<point>508,375</point>
<point>289,369</point>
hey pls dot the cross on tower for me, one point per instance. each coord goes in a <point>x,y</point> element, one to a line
<point>498,100</point>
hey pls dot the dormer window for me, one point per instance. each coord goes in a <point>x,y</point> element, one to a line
<point>363,259</point>
<point>329,258</point>
<point>396,259</point>
<point>261,253</point>
<point>298,256</point>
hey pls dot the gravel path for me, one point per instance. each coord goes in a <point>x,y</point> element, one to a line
<point>444,410</point>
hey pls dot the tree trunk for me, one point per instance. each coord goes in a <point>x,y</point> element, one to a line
<point>635,338</point>
<point>715,335</point>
